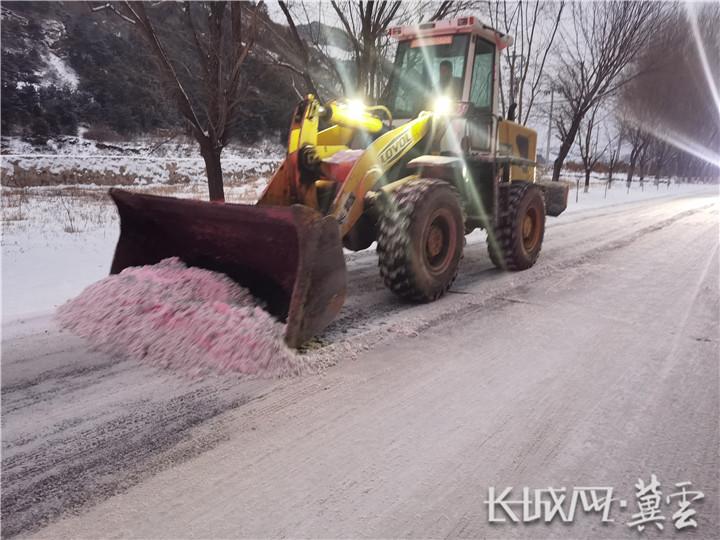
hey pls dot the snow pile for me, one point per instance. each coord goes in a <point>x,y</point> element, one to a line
<point>185,319</point>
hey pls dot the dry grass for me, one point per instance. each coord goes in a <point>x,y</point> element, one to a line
<point>109,170</point>
<point>75,209</point>
<point>13,214</point>
<point>103,134</point>
<point>13,205</point>
<point>71,209</point>
<point>195,191</point>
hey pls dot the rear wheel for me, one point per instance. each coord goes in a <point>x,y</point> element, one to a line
<point>420,239</point>
<point>516,240</point>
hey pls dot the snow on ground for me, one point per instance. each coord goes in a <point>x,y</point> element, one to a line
<point>596,367</point>
<point>58,240</point>
<point>142,146</point>
<point>127,170</point>
<point>598,196</point>
<point>77,160</point>
<point>187,320</point>
<point>58,72</point>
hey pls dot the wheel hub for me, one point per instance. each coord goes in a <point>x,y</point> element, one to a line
<point>435,240</point>
<point>439,241</point>
<point>531,229</point>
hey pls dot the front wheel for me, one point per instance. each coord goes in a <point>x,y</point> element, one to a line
<point>420,239</point>
<point>516,240</point>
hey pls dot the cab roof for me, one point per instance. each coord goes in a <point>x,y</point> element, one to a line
<point>461,25</point>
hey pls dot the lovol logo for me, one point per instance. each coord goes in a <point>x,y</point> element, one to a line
<point>395,147</point>
<point>345,208</point>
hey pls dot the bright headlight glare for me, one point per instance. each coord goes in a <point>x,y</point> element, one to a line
<point>355,108</point>
<point>442,105</point>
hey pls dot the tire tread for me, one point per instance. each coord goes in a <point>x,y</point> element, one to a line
<point>503,253</point>
<point>394,243</point>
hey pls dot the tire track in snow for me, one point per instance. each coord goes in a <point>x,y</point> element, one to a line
<point>69,473</point>
<point>361,322</point>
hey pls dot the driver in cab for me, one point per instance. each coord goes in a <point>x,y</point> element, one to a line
<point>449,86</point>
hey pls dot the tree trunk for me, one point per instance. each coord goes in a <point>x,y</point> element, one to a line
<point>610,178</point>
<point>587,180</point>
<point>565,148</point>
<point>631,171</point>
<point>213,166</point>
<point>558,163</point>
<point>577,188</point>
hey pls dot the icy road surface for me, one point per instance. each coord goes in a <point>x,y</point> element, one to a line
<point>597,367</point>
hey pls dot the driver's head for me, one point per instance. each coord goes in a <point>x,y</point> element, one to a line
<point>445,72</point>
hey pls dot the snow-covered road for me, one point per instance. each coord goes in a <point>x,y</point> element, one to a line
<point>596,367</point>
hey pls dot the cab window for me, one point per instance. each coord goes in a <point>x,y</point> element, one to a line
<point>481,88</point>
<point>425,68</point>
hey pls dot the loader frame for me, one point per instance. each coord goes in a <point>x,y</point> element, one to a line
<point>354,175</point>
<point>430,145</point>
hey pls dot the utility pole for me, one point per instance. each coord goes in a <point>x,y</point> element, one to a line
<point>550,118</point>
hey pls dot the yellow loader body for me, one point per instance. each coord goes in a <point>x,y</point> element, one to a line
<point>350,177</point>
<point>286,249</point>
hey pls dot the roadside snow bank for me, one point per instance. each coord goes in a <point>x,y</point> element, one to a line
<point>185,319</point>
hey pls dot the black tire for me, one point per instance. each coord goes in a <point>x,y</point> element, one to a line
<point>421,239</point>
<point>518,235</point>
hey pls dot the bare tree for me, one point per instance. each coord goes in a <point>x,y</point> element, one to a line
<point>534,27</point>
<point>595,60</point>
<point>674,98</point>
<point>638,140</point>
<point>314,50</point>
<point>366,25</point>
<point>643,161</point>
<point>445,9</point>
<point>615,143</point>
<point>661,153</point>
<point>222,35</point>
<point>591,151</point>
<point>297,48</point>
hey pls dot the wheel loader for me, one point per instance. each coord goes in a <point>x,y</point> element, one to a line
<point>415,173</point>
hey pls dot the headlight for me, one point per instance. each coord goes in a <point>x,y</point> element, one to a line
<point>442,105</point>
<point>355,108</point>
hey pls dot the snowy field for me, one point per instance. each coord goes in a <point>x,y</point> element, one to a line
<point>56,213</point>
<point>58,239</point>
<point>175,160</point>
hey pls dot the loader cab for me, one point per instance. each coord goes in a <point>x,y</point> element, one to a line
<point>470,51</point>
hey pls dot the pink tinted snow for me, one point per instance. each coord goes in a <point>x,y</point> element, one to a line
<point>185,319</point>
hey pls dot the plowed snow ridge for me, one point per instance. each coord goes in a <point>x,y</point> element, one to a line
<point>183,319</point>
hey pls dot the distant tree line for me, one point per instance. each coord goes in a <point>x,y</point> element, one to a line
<point>662,120</point>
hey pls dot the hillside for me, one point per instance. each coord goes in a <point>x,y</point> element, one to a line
<point>64,66</point>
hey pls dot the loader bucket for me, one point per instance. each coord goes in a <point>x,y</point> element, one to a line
<point>290,257</point>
